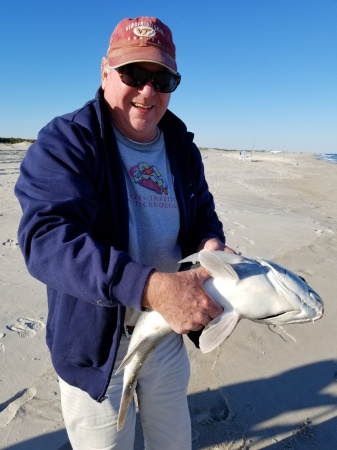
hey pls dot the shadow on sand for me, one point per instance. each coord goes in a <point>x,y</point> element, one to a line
<point>223,419</point>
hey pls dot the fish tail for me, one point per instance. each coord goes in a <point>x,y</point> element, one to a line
<point>124,405</point>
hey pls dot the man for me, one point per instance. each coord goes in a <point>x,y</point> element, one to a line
<point>113,196</point>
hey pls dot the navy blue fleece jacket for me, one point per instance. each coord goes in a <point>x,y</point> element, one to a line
<point>74,234</point>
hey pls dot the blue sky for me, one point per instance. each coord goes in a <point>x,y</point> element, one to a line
<point>256,74</point>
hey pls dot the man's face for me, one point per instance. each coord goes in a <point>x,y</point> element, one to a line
<point>135,111</point>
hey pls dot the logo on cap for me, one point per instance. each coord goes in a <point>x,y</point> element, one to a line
<point>144,31</point>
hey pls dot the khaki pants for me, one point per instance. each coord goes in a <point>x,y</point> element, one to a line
<point>162,400</point>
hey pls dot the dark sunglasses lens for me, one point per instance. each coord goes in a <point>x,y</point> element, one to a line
<point>136,76</point>
<point>165,82</point>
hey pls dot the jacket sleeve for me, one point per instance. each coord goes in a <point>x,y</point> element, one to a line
<point>57,190</point>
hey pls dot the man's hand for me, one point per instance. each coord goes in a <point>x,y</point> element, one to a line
<point>214,244</point>
<point>181,300</point>
<point>180,297</point>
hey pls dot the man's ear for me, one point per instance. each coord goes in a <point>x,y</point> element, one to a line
<point>104,71</point>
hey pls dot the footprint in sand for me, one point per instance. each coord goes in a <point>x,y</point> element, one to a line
<point>216,408</point>
<point>237,225</point>
<point>9,411</point>
<point>26,327</point>
<point>230,231</point>
<point>250,241</point>
<point>303,436</point>
<point>11,243</point>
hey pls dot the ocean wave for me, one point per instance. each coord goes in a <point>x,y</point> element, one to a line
<point>329,157</point>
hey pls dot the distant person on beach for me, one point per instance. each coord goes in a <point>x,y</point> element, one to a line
<point>113,196</point>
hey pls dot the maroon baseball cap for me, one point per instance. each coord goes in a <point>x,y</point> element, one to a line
<point>142,39</point>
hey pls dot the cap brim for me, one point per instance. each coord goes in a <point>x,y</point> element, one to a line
<point>123,56</point>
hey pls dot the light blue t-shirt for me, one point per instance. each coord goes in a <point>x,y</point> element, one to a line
<point>154,220</point>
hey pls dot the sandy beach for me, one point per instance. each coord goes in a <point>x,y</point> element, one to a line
<point>266,387</point>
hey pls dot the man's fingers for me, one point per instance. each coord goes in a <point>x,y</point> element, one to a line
<point>229,250</point>
<point>202,274</point>
<point>213,307</point>
<point>215,310</point>
<point>181,299</point>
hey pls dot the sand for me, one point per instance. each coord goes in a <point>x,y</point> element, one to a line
<point>267,387</point>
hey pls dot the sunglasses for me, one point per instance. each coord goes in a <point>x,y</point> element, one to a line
<point>135,76</point>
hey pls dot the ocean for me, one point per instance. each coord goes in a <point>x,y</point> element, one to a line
<point>329,157</point>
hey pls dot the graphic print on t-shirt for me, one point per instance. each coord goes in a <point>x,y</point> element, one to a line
<point>149,177</point>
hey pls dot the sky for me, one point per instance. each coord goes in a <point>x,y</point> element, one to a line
<point>256,74</point>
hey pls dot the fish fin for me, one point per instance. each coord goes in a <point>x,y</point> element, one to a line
<point>128,357</point>
<point>142,346</point>
<point>217,265</point>
<point>218,330</point>
<point>192,258</point>
<point>122,366</point>
<point>230,258</point>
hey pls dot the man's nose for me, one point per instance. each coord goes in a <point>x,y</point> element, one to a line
<point>148,89</point>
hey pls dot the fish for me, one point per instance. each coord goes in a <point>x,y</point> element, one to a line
<point>150,329</point>
<point>255,289</point>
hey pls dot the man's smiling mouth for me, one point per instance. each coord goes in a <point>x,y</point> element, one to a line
<point>140,105</point>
